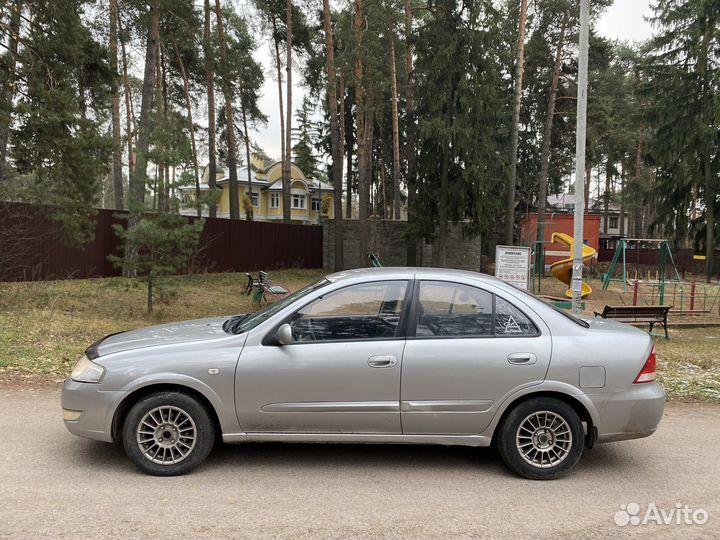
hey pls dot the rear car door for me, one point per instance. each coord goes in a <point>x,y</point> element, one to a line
<point>341,373</point>
<point>467,349</point>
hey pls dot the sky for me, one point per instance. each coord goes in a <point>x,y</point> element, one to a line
<point>623,21</point>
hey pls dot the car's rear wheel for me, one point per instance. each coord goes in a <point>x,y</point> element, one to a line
<point>168,433</point>
<point>541,439</point>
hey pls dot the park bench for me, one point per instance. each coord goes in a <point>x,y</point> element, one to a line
<point>261,287</point>
<point>651,315</point>
<point>374,260</point>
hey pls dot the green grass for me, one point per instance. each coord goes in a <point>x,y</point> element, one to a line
<point>46,326</point>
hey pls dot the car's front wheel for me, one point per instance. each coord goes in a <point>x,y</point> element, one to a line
<point>541,439</point>
<point>168,433</point>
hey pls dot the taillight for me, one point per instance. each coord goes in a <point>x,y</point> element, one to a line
<point>647,373</point>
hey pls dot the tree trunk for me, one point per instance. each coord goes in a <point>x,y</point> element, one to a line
<point>349,141</point>
<point>637,204</point>
<point>129,115</point>
<point>709,181</point>
<point>621,223</point>
<point>606,195</point>
<point>278,66</point>
<point>115,99</point>
<point>588,178</point>
<point>212,130</point>
<point>709,216</point>
<point>233,190</point>
<point>411,240</point>
<point>137,189</point>
<point>515,127</point>
<point>249,215</point>
<point>149,293</point>
<point>9,90</point>
<point>396,131</point>
<point>443,207</point>
<point>288,118</point>
<point>363,187</point>
<point>335,144</point>
<point>341,124</point>
<point>161,100</point>
<point>547,134</point>
<point>191,125</point>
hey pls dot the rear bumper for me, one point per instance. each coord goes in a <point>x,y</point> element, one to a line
<point>631,414</point>
<point>96,410</point>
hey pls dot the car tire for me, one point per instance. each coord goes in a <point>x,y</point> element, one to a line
<point>168,434</point>
<point>541,439</point>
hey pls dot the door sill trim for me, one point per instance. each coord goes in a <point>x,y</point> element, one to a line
<point>356,438</point>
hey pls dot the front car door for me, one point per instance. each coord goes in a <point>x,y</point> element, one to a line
<point>467,349</point>
<point>341,373</point>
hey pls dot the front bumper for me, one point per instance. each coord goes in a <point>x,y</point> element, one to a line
<point>631,414</point>
<point>96,408</point>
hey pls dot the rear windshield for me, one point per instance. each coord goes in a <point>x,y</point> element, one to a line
<point>562,312</point>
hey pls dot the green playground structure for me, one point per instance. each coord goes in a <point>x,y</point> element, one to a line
<point>665,258</point>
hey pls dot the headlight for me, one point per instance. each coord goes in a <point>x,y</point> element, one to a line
<point>87,371</point>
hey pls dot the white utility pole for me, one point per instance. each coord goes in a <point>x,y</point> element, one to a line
<point>577,270</point>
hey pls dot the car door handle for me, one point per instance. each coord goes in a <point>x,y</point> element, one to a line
<point>522,358</point>
<point>382,361</point>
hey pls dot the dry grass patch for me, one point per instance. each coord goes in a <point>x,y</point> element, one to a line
<point>46,326</point>
<point>688,363</point>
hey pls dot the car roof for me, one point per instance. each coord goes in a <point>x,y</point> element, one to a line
<point>408,272</point>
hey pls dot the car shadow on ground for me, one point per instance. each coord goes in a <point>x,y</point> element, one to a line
<point>318,456</point>
<point>395,456</point>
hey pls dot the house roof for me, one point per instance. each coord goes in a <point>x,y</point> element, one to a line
<point>567,201</point>
<point>313,184</point>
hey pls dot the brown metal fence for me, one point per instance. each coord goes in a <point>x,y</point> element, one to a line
<point>32,248</point>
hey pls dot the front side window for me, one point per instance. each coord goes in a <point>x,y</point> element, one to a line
<point>254,200</point>
<point>455,310</point>
<point>315,204</point>
<point>365,311</point>
<point>298,201</point>
<point>274,200</point>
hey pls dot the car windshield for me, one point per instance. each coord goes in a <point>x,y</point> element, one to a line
<point>242,323</point>
<point>562,312</point>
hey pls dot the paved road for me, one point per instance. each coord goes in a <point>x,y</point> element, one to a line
<point>53,484</point>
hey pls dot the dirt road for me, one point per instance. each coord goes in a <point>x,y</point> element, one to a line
<point>53,484</point>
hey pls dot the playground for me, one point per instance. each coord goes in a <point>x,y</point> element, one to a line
<point>687,362</point>
<point>624,281</point>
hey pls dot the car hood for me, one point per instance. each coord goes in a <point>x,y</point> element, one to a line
<point>163,334</point>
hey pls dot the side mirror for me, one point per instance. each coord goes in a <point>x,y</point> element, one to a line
<point>284,336</point>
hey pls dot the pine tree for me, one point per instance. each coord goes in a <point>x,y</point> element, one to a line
<point>685,87</point>
<point>306,140</point>
<point>461,170</point>
<point>59,139</point>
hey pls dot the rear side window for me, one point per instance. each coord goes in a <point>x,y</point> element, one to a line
<point>453,309</point>
<point>510,321</point>
<point>456,310</point>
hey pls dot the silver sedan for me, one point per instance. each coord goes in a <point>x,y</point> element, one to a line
<point>391,355</point>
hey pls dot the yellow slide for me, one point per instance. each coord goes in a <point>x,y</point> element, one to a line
<point>563,269</point>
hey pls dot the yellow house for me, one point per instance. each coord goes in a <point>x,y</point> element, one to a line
<point>306,194</point>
